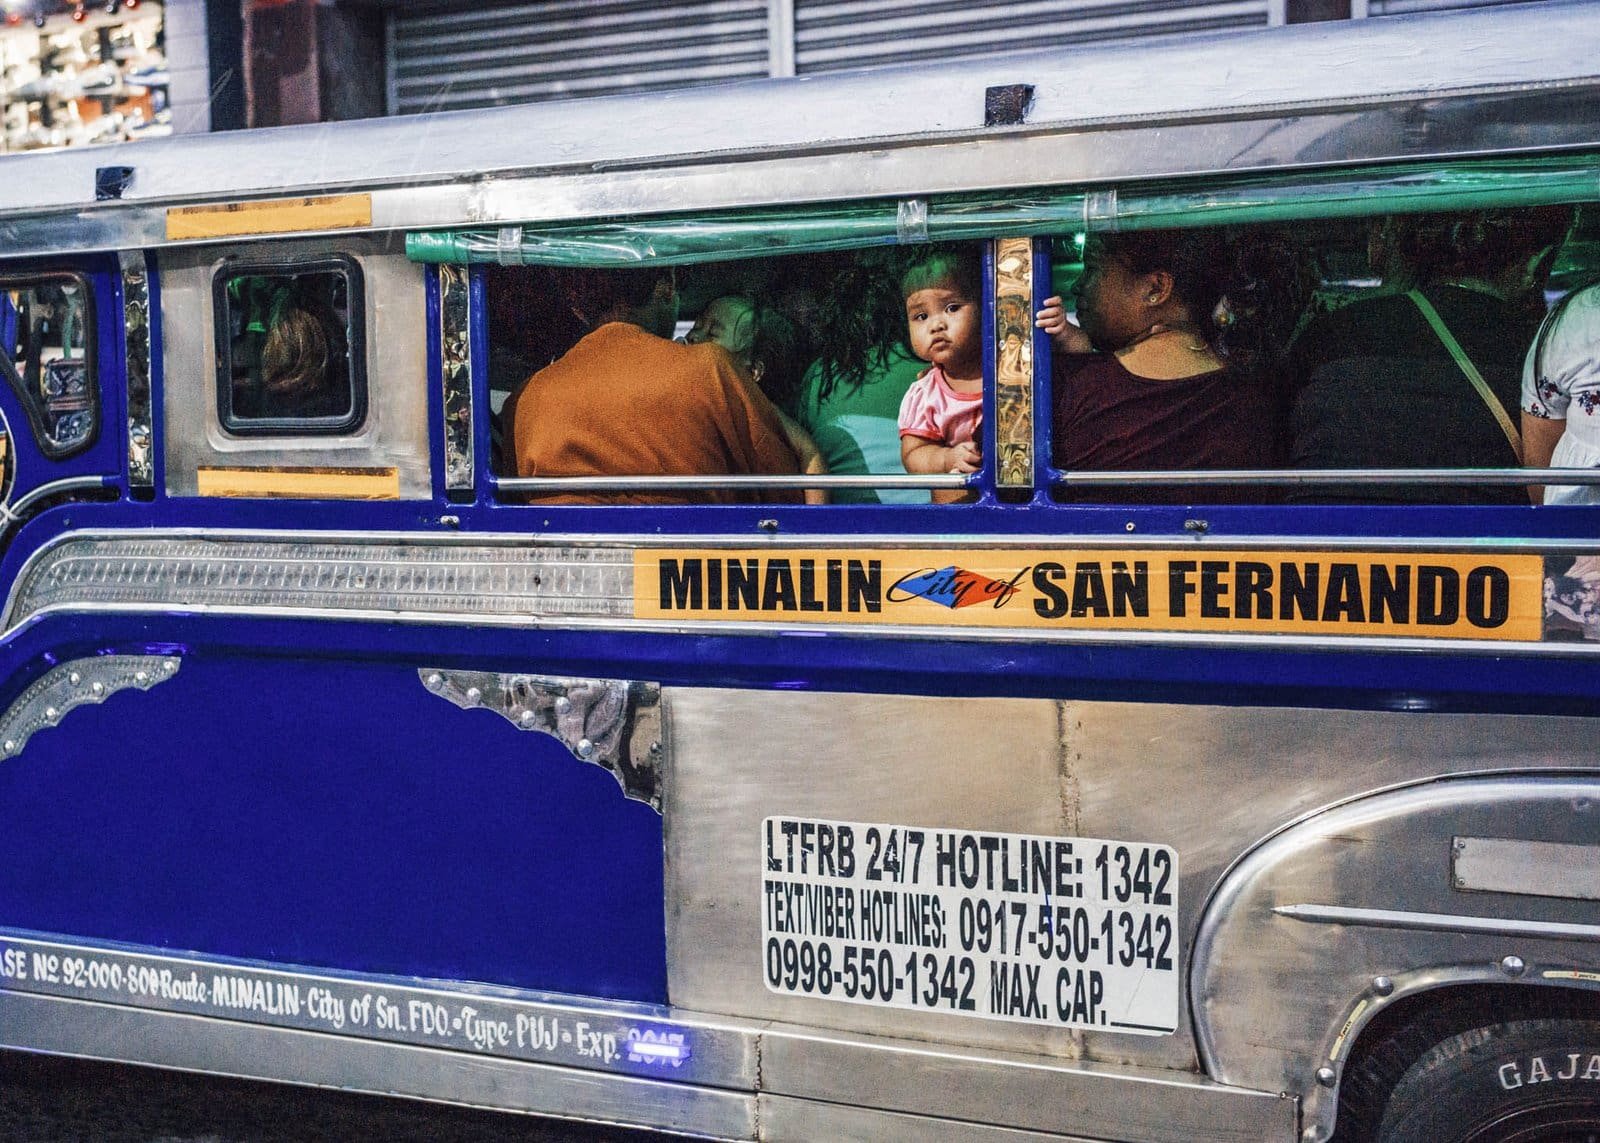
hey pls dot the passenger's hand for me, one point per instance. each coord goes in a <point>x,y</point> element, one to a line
<point>1052,318</point>
<point>965,457</point>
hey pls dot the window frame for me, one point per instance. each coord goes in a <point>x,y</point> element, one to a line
<point>346,424</point>
<point>91,336</point>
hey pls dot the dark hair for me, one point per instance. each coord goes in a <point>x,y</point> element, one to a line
<point>1244,290</point>
<point>592,293</point>
<point>860,315</point>
<point>776,345</point>
<point>1425,247</point>
<point>940,265</point>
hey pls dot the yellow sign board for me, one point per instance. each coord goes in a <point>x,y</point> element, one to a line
<point>272,216</point>
<point>1186,589</point>
<point>301,483</point>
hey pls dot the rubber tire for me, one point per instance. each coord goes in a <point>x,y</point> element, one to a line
<point>1477,1084</point>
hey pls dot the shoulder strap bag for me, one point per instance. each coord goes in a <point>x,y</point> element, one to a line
<point>1503,418</point>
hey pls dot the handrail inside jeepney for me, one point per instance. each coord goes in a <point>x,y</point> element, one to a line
<point>714,483</point>
<point>1322,476</point>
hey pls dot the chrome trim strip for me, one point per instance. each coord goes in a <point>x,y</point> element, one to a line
<point>82,682</point>
<point>136,360</point>
<point>1320,476</point>
<point>455,366</point>
<point>1168,639</point>
<point>612,723</point>
<point>1437,922</point>
<point>700,483</point>
<point>59,488</point>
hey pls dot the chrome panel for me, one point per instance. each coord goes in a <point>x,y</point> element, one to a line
<point>787,1120</point>
<point>461,579</point>
<point>224,1048</point>
<point>1013,365</point>
<point>455,344</point>
<point>1185,776</point>
<point>1539,868</point>
<point>610,722</point>
<point>998,765</point>
<point>395,433</point>
<point>136,363</point>
<point>1273,997</point>
<point>1331,67</point>
<point>82,682</point>
<point>1123,1103</point>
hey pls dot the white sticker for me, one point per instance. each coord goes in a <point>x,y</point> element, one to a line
<point>1063,931</point>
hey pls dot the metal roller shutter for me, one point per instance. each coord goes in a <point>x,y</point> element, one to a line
<point>443,57</point>
<point>834,34</point>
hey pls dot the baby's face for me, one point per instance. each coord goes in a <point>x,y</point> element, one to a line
<point>945,326</point>
<point>731,323</point>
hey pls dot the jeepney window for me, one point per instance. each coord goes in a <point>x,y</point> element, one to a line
<point>825,343</point>
<point>289,345</point>
<point>48,329</point>
<point>1307,364</point>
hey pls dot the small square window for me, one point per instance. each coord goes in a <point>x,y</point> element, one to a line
<point>289,347</point>
<point>47,327</point>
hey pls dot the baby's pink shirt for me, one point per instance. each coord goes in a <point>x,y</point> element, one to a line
<point>932,411</point>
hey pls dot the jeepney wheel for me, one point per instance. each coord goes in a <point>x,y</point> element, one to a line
<point>1455,1079</point>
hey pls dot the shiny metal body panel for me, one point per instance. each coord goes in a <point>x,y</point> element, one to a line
<point>1306,95</point>
<point>787,1120</point>
<point>395,433</point>
<point>1391,852</point>
<point>1185,776</point>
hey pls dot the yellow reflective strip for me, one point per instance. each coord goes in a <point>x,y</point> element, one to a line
<point>275,216</point>
<point>302,483</point>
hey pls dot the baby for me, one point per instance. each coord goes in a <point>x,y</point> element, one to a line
<point>940,414</point>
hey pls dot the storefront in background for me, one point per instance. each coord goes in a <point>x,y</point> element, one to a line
<point>75,74</point>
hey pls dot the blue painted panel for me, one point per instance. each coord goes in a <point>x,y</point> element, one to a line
<point>334,813</point>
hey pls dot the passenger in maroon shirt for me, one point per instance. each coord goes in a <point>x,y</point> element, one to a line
<point>1142,382</point>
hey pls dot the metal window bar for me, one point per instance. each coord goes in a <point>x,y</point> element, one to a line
<point>523,484</point>
<point>1314,477</point>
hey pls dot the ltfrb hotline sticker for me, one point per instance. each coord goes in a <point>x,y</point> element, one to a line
<point>1069,932</point>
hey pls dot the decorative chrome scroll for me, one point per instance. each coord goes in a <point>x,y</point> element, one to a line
<point>468,580</point>
<point>136,342</point>
<point>1013,365</point>
<point>455,362</point>
<point>613,723</point>
<point>79,683</point>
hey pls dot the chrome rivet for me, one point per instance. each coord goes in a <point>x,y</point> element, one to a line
<point>474,695</point>
<point>170,665</point>
<point>1311,1134</point>
<point>97,688</point>
<point>585,748</point>
<point>563,704</point>
<point>75,678</point>
<point>1459,845</point>
<point>655,748</point>
<point>1382,985</point>
<point>1512,966</point>
<point>768,526</point>
<point>141,676</point>
<point>51,713</point>
<point>1326,1076</point>
<point>11,746</point>
<point>527,718</point>
<point>1197,527</point>
<point>434,681</point>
